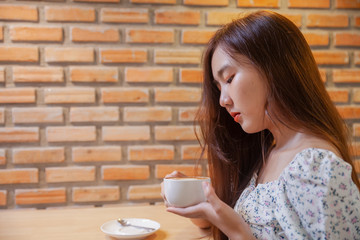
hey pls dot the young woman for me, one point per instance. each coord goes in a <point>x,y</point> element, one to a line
<point>278,151</point>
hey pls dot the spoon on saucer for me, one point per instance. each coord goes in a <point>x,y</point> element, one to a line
<point>125,223</point>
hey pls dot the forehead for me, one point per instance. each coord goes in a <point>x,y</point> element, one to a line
<point>221,60</point>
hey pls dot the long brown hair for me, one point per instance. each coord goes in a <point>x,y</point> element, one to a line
<point>280,52</point>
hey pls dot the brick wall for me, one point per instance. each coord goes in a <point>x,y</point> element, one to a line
<point>97,97</point>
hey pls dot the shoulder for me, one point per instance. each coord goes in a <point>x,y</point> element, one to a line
<point>318,167</point>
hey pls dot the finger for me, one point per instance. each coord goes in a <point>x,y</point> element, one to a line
<point>209,192</point>
<point>175,174</point>
<point>189,212</point>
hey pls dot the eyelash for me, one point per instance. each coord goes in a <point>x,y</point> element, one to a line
<point>230,79</point>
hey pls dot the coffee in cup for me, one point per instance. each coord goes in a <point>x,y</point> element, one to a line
<point>184,191</point>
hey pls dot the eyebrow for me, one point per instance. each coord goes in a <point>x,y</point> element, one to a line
<point>220,72</point>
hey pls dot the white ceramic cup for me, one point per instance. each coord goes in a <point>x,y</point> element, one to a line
<point>184,191</point>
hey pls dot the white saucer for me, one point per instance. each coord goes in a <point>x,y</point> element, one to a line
<point>114,229</point>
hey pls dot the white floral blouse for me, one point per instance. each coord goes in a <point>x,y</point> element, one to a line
<point>314,198</point>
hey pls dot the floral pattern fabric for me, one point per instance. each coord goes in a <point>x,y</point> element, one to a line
<point>314,198</point>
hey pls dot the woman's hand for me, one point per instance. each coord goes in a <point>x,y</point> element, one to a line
<point>173,174</point>
<point>218,213</point>
<point>201,223</point>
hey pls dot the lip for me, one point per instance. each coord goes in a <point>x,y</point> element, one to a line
<point>235,115</point>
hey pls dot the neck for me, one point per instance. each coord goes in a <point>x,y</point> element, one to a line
<point>285,137</point>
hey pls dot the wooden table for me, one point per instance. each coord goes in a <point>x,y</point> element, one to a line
<point>84,223</point>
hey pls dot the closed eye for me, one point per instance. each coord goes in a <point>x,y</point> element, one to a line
<point>230,79</point>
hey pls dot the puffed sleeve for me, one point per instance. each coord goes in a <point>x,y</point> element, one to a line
<point>317,198</point>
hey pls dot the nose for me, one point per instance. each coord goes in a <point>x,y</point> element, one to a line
<point>225,99</point>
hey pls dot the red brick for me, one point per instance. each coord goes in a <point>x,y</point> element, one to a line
<point>1,33</point>
<point>356,131</point>
<point>295,18</point>
<point>19,54</point>
<point>144,192</point>
<point>349,112</point>
<point>309,4</point>
<point>40,196</point>
<point>98,1</point>
<point>94,34</point>
<point>258,3</point>
<point>150,153</point>
<point>125,95</point>
<point>95,194</point>
<point>38,155</point>
<point>96,154</point>
<point>191,75</point>
<point>125,55</point>
<point>331,57</point>
<point>69,55</point>
<point>2,74</point>
<point>339,96</point>
<point>69,14</point>
<point>187,114</point>
<point>18,176</point>
<point>36,34</point>
<point>181,95</point>
<point>147,114</point>
<point>196,36</point>
<point>218,18</point>
<point>94,74</point>
<point>161,170</point>
<point>149,36</point>
<point>69,174</point>
<point>346,76</point>
<point>71,134</point>
<point>183,56</point>
<point>221,18</point>
<point>38,74</point>
<point>357,57</point>
<point>126,133</point>
<point>347,39</point>
<point>356,95</point>
<point>94,114</point>
<point>350,4</point>
<point>323,75</point>
<point>127,172</point>
<point>17,95</point>
<point>69,95</point>
<point>2,115</point>
<point>3,197</point>
<point>175,133</point>
<point>124,15</point>
<point>18,13</point>
<point>317,39</point>
<point>172,2</point>
<point>179,17</point>
<point>148,75</point>
<point>2,156</point>
<point>357,21</point>
<point>206,3</point>
<point>191,152</point>
<point>19,134</point>
<point>154,1</point>
<point>328,20</point>
<point>37,115</point>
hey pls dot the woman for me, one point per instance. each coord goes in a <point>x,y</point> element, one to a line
<point>277,148</point>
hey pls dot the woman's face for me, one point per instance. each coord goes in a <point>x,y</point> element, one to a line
<point>243,90</point>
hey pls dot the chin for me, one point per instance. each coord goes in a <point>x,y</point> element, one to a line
<point>250,130</point>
